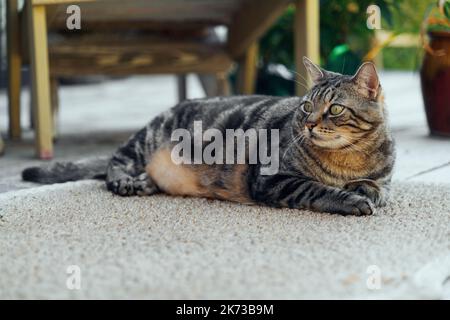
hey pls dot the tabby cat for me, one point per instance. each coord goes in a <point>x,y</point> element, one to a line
<point>336,150</point>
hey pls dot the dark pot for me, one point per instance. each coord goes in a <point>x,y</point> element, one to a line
<point>435,80</point>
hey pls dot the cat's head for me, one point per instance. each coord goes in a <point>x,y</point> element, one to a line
<point>340,110</point>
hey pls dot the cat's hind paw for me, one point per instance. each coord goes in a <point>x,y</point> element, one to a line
<point>144,185</point>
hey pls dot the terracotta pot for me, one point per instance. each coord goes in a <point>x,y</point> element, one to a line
<point>435,79</point>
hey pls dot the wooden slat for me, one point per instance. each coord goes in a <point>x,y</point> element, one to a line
<point>251,22</point>
<point>307,41</point>
<point>53,2</point>
<point>219,12</point>
<point>115,55</point>
<point>189,28</point>
<point>138,64</point>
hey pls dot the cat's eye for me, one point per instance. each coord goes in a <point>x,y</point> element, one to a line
<point>307,107</point>
<point>336,109</point>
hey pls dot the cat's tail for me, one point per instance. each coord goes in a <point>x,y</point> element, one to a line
<point>59,172</point>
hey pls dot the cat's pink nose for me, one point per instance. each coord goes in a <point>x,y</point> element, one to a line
<point>310,125</point>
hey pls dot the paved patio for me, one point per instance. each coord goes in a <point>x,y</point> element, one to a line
<point>95,118</point>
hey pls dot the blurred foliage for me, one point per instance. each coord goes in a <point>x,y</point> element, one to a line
<point>344,39</point>
<point>446,9</point>
<point>401,58</point>
<point>410,15</point>
<point>343,22</point>
<point>438,18</point>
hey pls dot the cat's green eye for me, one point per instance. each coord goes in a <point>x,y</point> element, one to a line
<point>336,109</point>
<point>307,107</point>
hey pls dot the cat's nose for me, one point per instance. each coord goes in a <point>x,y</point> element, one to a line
<point>310,125</point>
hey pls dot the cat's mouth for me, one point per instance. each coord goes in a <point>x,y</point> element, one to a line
<point>327,141</point>
<point>317,135</point>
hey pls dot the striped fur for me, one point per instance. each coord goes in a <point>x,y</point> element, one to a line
<point>342,165</point>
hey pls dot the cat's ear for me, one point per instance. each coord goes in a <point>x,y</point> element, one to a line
<point>314,71</point>
<point>366,79</point>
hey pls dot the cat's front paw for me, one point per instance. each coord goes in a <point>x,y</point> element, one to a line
<point>131,186</point>
<point>367,188</point>
<point>356,205</point>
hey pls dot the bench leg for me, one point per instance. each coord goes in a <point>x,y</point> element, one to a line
<point>223,85</point>
<point>182,87</point>
<point>54,87</point>
<point>307,42</point>
<point>248,69</point>
<point>2,146</point>
<point>14,69</point>
<point>40,85</point>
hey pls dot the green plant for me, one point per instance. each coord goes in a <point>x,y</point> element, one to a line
<point>438,18</point>
<point>344,40</point>
<point>344,36</point>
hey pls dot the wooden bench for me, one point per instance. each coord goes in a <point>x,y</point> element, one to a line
<point>140,37</point>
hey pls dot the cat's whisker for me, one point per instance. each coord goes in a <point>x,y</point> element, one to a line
<point>299,74</point>
<point>299,138</point>
<point>366,142</point>
<point>353,146</point>
<point>298,82</point>
<point>343,67</point>
<point>305,84</point>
